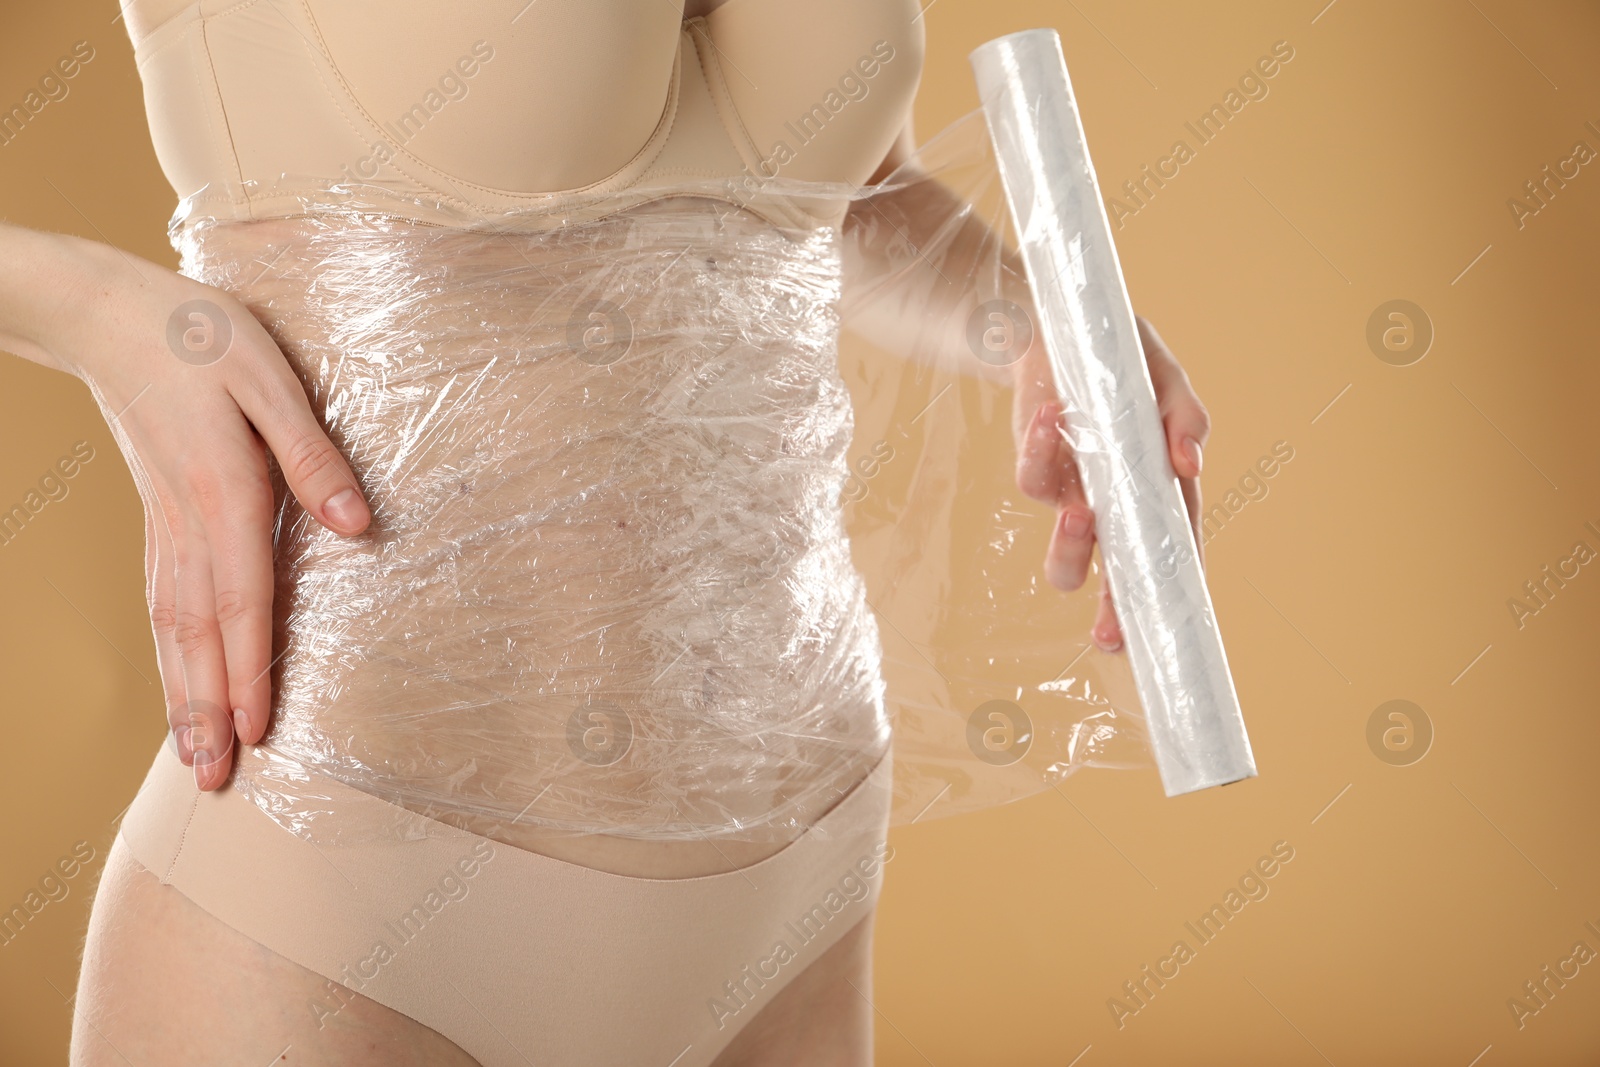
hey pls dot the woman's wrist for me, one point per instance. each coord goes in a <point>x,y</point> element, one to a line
<point>54,288</point>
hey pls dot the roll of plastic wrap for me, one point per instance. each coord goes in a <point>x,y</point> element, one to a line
<point>1196,729</point>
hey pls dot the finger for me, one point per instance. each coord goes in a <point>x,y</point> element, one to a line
<point>1187,426</point>
<point>199,643</point>
<point>159,590</point>
<point>1047,468</point>
<point>315,472</point>
<point>1107,630</point>
<point>1183,416</point>
<point>1066,560</point>
<point>162,597</point>
<point>1032,383</point>
<point>242,576</point>
<point>1191,502</point>
<point>1043,454</point>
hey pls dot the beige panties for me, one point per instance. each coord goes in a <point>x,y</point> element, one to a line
<point>517,957</point>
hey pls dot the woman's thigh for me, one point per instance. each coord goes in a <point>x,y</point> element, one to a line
<point>822,1016</point>
<point>165,982</point>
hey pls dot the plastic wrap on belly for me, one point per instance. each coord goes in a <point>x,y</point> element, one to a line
<point>647,557</point>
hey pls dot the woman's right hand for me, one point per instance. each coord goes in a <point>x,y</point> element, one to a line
<point>196,393</point>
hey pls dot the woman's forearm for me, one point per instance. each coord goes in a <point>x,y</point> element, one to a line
<point>919,262</point>
<point>50,284</point>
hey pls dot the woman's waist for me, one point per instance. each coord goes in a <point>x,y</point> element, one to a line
<point>704,745</point>
<point>693,697</point>
<point>525,636</point>
<point>691,831</point>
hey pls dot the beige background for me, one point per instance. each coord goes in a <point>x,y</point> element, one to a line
<point>1420,898</point>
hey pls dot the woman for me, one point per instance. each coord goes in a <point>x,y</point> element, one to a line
<point>266,116</point>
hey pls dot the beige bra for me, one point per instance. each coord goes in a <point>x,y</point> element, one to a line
<point>485,107</point>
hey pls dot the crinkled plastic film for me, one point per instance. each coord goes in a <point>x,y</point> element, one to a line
<point>648,558</point>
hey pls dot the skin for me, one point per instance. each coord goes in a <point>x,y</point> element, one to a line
<point>164,982</point>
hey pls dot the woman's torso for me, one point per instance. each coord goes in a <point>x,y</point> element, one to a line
<point>606,587</point>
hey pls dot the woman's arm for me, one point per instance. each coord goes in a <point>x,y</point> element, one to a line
<point>923,251</point>
<point>195,392</point>
<point>925,213</point>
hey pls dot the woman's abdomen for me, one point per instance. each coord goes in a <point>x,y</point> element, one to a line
<point>606,588</point>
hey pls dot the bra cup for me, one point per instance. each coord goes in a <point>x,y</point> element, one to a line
<point>822,88</point>
<point>489,101</point>
<point>568,109</point>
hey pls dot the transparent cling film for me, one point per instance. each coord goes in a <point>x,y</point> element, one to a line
<point>648,557</point>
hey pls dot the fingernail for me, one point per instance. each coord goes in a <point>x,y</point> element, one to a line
<point>1042,420</point>
<point>1191,448</point>
<point>241,725</point>
<point>180,737</point>
<point>202,765</point>
<point>1107,644</point>
<point>1075,524</point>
<point>345,509</point>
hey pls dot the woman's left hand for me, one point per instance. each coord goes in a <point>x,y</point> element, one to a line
<point>1047,471</point>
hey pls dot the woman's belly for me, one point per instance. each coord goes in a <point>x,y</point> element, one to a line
<point>606,588</point>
